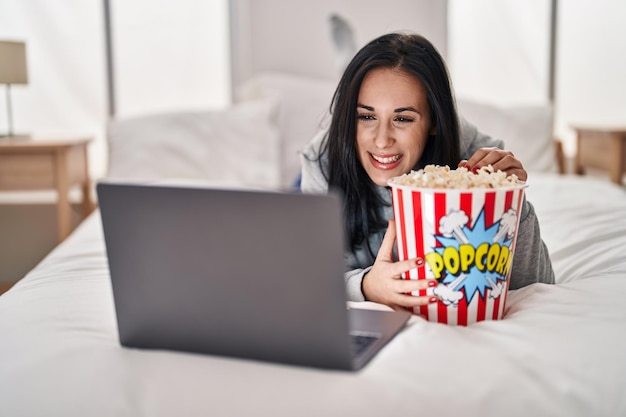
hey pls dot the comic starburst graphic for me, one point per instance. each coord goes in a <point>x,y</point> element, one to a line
<point>455,232</point>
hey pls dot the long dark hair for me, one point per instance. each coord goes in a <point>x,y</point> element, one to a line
<point>414,55</point>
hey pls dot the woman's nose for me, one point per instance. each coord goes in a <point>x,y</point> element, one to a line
<point>384,136</point>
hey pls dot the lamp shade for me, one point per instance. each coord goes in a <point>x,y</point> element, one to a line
<point>13,68</point>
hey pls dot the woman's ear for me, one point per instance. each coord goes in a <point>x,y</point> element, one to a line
<point>433,130</point>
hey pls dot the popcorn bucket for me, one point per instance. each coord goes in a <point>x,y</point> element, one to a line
<point>467,239</point>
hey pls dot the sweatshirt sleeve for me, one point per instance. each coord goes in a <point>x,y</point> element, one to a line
<point>531,260</point>
<point>312,179</point>
<point>472,139</point>
<point>354,279</point>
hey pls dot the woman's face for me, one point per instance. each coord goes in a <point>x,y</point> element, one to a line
<point>393,123</point>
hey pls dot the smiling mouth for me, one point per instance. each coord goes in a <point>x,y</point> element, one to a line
<point>386,159</point>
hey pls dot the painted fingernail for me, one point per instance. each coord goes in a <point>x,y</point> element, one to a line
<point>433,299</point>
<point>432,283</point>
<point>419,262</point>
<point>475,170</point>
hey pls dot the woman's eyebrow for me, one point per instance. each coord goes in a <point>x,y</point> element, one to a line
<point>398,110</point>
<point>401,109</point>
<point>368,108</point>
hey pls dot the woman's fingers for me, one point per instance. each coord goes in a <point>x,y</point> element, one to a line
<point>405,301</point>
<point>397,269</point>
<point>409,285</point>
<point>404,288</point>
<point>499,159</point>
<point>491,156</point>
<point>385,254</point>
<point>384,282</point>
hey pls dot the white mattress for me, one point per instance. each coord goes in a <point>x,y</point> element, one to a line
<point>560,350</point>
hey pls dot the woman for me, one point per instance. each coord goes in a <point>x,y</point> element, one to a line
<point>393,111</point>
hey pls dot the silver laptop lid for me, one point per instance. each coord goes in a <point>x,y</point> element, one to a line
<point>239,273</point>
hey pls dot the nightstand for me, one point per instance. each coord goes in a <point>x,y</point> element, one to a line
<point>37,164</point>
<point>603,148</point>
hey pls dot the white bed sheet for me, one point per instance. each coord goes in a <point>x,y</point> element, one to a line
<point>560,351</point>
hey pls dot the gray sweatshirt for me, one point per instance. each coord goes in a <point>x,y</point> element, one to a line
<point>531,262</point>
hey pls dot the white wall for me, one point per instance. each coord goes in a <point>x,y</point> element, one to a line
<point>499,49</point>
<point>498,52</point>
<point>591,62</point>
<point>168,56</point>
<point>64,50</point>
<point>294,36</point>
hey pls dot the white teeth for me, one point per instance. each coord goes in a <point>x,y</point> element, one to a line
<point>387,160</point>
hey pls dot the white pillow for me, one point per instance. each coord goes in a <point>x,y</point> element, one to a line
<point>236,145</point>
<point>304,110</point>
<point>525,130</point>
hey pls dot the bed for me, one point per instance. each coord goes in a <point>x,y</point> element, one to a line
<point>559,351</point>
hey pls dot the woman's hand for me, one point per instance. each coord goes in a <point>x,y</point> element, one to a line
<point>383,283</point>
<point>499,159</point>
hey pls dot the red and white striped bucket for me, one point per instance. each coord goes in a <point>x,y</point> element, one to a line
<point>467,239</point>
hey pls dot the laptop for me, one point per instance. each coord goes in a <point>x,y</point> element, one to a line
<point>241,273</point>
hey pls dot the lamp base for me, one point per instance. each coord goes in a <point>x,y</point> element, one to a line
<point>14,137</point>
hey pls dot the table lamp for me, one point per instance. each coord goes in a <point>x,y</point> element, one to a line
<point>13,70</point>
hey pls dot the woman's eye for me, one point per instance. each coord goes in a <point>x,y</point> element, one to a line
<point>365,117</point>
<point>401,119</point>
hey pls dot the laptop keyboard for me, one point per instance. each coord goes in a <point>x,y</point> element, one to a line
<point>361,342</point>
